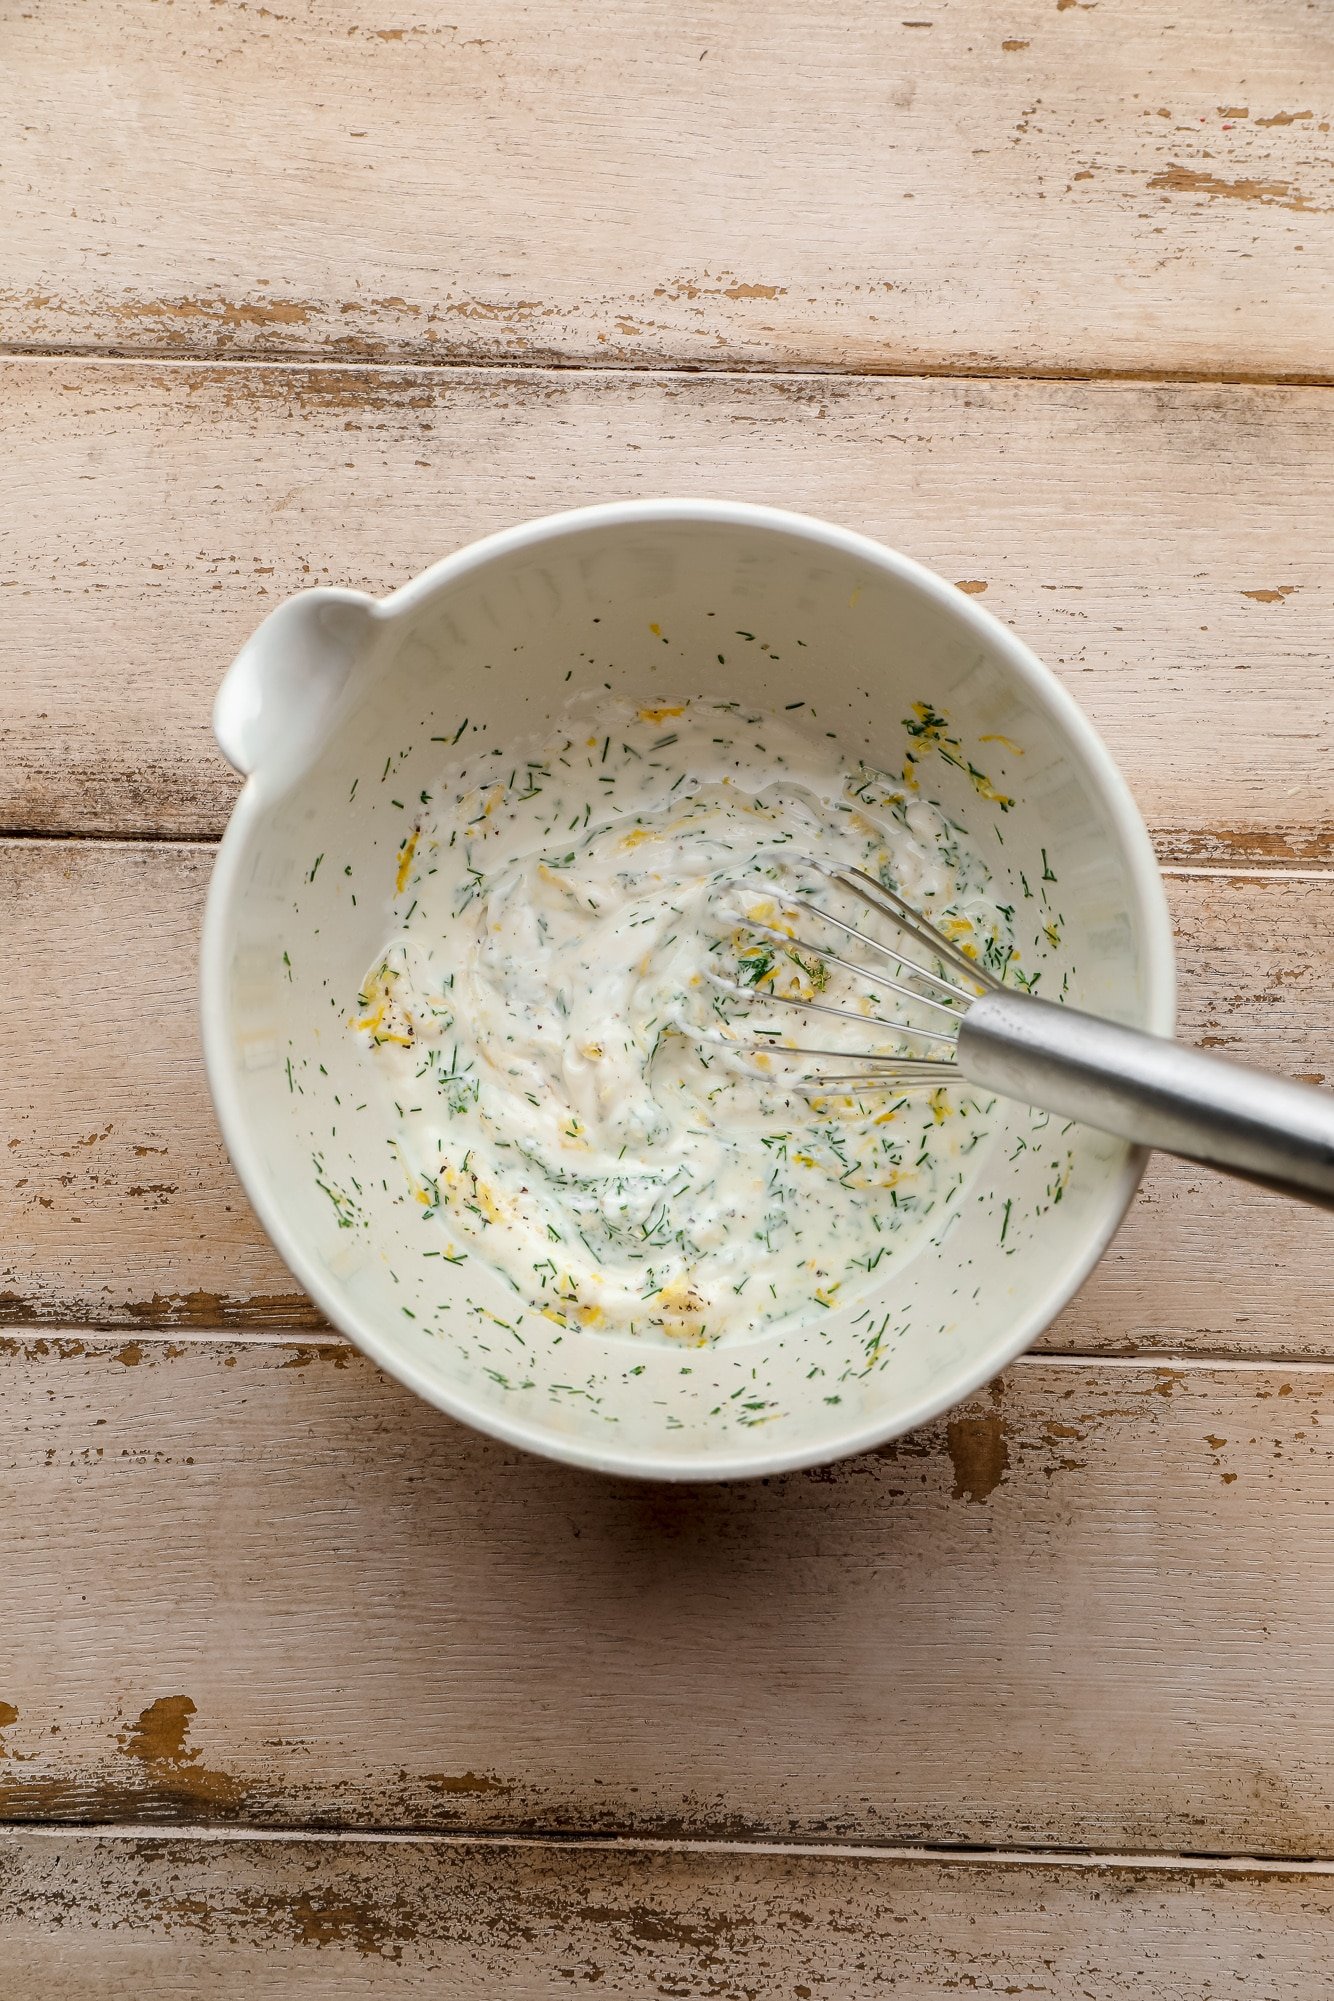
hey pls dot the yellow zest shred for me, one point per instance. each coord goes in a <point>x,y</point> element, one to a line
<point>405,854</point>
<point>986,790</point>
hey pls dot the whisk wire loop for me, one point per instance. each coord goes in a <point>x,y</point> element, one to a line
<point>885,1070</point>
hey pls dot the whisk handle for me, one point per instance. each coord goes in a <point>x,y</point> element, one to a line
<point>1153,1091</point>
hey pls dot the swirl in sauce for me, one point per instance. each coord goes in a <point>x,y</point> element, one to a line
<point>571,1103</point>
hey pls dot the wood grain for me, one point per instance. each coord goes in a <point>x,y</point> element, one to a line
<point>979,186</point>
<point>256,1920</point>
<point>118,1206</point>
<point>262,1583</point>
<point>249,1582</point>
<point>1163,548</point>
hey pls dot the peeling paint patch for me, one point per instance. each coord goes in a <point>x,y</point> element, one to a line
<point>979,1455</point>
<point>202,1309</point>
<point>337,1354</point>
<point>159,1742</point>
<point>466,1782</point>
<point>159,1735</point>
<point>326,1921</point>
<point>1270,194</point>
<point>90,1140</point>
<point>266,313</point>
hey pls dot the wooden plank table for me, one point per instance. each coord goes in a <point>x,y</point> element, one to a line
<point>305,1690</point>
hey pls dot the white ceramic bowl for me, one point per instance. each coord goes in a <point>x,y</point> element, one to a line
<point>336,690</point>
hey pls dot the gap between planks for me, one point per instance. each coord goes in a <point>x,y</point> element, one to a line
<point>18,1335</point>
<point>888,371</point>
<point>191,843</point>
<point>1253,874</point>
<point>927,1856</point>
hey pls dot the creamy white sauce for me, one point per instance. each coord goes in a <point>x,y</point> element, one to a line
<point>572,1100</point>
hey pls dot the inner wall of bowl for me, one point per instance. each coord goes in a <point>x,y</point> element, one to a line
<point>765,618</point>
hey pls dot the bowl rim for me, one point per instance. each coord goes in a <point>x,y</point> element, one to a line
<point>1142,871</point>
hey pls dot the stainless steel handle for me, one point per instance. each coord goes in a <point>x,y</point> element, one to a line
<point>1153,1091</point>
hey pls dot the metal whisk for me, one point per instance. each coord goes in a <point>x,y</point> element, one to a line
<point>1144,1088</point>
